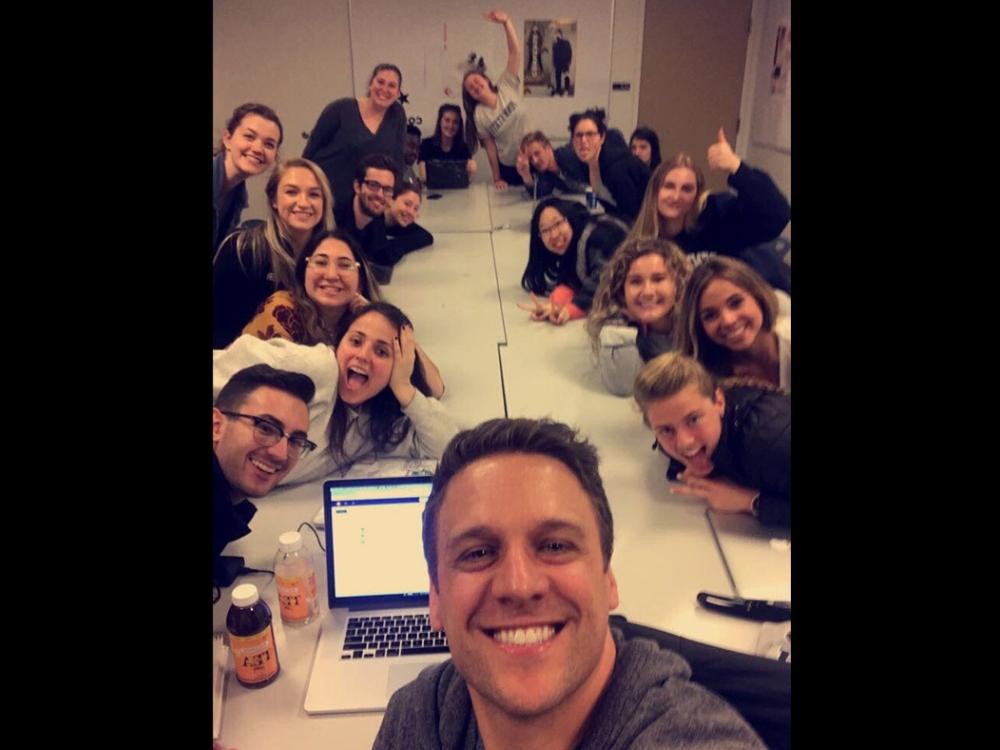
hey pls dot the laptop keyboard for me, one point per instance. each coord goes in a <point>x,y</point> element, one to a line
<point>391,635</point>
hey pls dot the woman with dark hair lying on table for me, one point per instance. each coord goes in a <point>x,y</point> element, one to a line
<point>567,250</point>
<point>401,228</point>
<point>678,206</point>
<point>729,442</point>
<point>371,400</point>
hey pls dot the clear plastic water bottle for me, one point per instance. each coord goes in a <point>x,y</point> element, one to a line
<point>591,198</point>
<point>295,579</point>
<point>251,638</point>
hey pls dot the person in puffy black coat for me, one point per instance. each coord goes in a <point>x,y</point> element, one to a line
<point>729,443</point>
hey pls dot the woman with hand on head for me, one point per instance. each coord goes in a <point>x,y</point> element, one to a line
<point>729,443</point>
<point>645,144</point>
<point>677,206</point>
<point>331,277</point>
<point>249,147</point>
<point>567,251</point>
<point>446,144</point>
<point>372,398</point>
<point>403,233</point>
<point>494,113</point>
<point>599,158</point>
<point>734,323</point>
<point>635,316</point>
<point>253,263</point>
<point>350,129</point>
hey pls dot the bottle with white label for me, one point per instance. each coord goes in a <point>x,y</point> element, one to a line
<point>295,579</point>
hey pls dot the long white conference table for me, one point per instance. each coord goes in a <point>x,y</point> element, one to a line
<point>461,294</point>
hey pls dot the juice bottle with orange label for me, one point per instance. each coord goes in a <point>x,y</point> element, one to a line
<point>295,580</point>
<point>251,638</point>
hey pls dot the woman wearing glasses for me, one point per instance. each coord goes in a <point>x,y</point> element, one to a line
<point>494,114</point>
<point>332,278</point>
<point>566,253</point>
<point>254,262</point>
<point>677,206</point>
<point>351,128</point>
<point>600,158</point>
<point>372,400</point>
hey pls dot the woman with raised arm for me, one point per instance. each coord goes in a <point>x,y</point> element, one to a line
<point>735,324</point>
<point>350,129</point>
<point>249,147</point>
<point>371,401</point>
<point>494,113</point>
<point>253,263</point>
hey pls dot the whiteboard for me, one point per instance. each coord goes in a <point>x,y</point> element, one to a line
<point>431,42</point>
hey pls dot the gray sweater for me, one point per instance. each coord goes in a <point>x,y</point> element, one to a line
<point>649,703</point>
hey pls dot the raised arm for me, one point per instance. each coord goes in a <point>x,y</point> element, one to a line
<point>515,57</point>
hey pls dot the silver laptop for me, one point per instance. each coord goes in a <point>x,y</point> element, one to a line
<point>376,636</point>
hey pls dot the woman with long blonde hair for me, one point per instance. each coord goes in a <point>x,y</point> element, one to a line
<point>254,262</point>
<point>677,206</point>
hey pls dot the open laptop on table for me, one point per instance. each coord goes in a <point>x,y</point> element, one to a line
<point>446,174</point>
<point>376,636</point>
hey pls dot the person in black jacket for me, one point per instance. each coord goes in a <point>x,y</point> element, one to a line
<point>678,206</point>
<point>259,425</point>
<point>568,248</point>
<point>600,157</point>
<point>733,442</point>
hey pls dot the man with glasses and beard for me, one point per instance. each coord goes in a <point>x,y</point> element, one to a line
<point>363,216</point>
<point>259,425</point>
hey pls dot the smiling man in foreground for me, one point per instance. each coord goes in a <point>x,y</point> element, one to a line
<point>518,537</point>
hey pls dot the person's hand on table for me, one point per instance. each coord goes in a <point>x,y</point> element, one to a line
<point>720,494</point>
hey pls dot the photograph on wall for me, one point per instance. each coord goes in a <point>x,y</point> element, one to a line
<point>550,55</point>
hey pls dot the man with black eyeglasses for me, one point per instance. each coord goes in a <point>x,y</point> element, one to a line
<point>363,216</point>
<point>259,425</point>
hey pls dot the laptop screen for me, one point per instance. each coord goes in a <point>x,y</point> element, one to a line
<point>374,551</point>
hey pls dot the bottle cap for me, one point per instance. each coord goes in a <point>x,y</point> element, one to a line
<point>290,541</point>
<point>244,595</point>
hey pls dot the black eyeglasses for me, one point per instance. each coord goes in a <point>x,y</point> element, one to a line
<point>377,187</point>
<point>267,433</point>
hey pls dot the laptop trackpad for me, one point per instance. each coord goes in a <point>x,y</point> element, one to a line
<point>402,674</point>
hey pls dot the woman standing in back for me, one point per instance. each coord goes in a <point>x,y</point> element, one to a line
<point>494,113</point>
<point>350,129</point>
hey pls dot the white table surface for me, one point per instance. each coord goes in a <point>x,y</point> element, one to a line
<point>462,296</point>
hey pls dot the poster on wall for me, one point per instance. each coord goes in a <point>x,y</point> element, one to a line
<point>781,66</point>
<point>550,56</point>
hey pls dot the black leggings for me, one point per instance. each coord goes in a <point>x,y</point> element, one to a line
<point>509,174</point>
